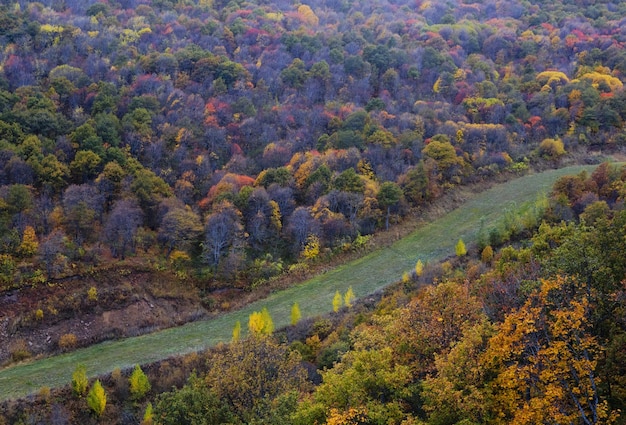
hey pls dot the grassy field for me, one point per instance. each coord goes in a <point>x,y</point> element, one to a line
<point>366,275</point>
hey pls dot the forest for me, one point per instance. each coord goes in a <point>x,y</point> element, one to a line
<point>195,152</point>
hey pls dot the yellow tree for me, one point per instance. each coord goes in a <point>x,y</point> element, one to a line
<point>337,300</point>
<point>261,323</point>
<point>29,244</point>
<point>460,248</point>
<point>79,380</point>
<point>139,383</point>
<point>544,358</point>
<point>419,268</point>
<point>295,314</point>
<point>348,298</point>
<point>97,399</point>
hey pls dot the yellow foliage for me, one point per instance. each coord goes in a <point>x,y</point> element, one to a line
<point>307,15</point>
<point>349,297</point>
<point>296,315</point>
<point>29,244</point>
<point>547,77</point>
<point>597,78</point>
<point>354,416</point>
<point>419,268</point>
<point>261,323</point>
<point>552,148</point>
<point>337,301</point>
<point>460,249</point>
<point>312,248</point>
<point>406,278</point>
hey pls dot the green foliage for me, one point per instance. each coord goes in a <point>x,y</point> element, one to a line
<point>97,399</point>
<point>148,415</point>
<point>194,404</point>
<point>139,384</point>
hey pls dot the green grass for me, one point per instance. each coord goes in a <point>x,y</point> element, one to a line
<point>366,275</point>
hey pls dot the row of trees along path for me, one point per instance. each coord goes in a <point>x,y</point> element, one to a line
<point>366,275</point>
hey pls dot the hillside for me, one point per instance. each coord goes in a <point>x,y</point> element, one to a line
<point>168,167</point>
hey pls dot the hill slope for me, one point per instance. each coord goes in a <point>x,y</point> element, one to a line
<point>367,275</point>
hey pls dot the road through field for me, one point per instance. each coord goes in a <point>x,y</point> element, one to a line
<point>434,241</point>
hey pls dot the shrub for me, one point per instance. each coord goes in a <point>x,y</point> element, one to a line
<point>67,342</point>
<point>552,148</point>
<point>487,254</point>
<point>39,314</point>
<point>92,294</point>
<point>20,351</point>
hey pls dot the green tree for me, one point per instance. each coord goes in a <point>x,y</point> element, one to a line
<point>194,404</point>
<point>139,383</point>
<point>388,196</point>
<point>97,399</point>
<point>180,229</point>
<point>85,166</point>
<point>371,381</point>
<point>79,380</point>
<point>296,315</point>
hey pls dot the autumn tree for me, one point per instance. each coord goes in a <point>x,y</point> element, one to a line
<point>179,229</point>
<point>79,380</point>
<point>460,249</point>
<point>261,323</point>
<point>296,315</point>
<point>251,375</point>
<point>97,399</point>
<point>337,301</point>
<point>544,358</point>
<point>371,381</point>
<point>139,383</point>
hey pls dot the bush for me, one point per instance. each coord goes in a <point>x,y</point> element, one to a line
<point>20,351</point>
<point>67,341</point>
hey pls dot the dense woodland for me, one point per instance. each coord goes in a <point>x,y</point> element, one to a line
<point>233,142</point>
<point>232,136</point>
